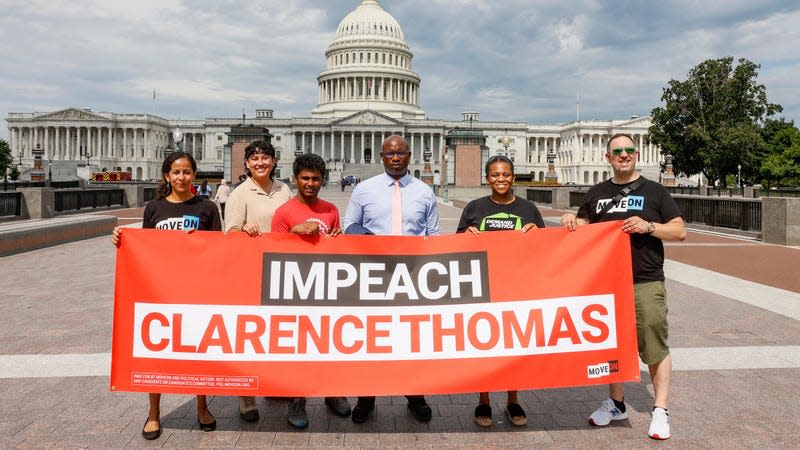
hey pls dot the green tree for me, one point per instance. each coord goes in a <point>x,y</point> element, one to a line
<point>6,161</point>
<point>782,163</point>
<point>711,123</point>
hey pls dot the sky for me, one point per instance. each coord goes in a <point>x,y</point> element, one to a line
<point>512,60</point>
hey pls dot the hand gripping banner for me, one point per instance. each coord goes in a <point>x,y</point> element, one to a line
<point>284,315</point>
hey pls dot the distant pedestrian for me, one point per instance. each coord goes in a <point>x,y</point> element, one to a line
<point>652,219</point>
<point>223,191</point>
<point>175,206</point>
<point>204,191</point>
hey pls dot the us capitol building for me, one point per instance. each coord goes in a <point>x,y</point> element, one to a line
<point>366,92</point>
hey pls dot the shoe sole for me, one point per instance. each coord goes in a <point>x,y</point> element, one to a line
<point>592,422</point>
<point>299,426</point>
<point>484,422</point>
<point>658,438</point>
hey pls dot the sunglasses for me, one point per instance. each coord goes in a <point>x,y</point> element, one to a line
<point>618,151</point>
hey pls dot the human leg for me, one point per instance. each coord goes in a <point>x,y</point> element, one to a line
<point>516,415</point>
<point>653,332</point>
<point>339,405</point>
<point>205,419</point>
<point>297,413</point>
<point>152,426</point>
<point>483,412</point>
<point>419,408</point>
<point>247,408</point>
<point>364,406</point>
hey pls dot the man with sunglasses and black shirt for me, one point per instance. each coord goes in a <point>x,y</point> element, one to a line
<point>650,216</point>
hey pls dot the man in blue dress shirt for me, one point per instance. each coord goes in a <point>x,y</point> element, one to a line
<point>370,210</point>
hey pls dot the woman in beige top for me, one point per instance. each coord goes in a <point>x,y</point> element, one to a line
<point>250,208</point>
<point>251,205</point>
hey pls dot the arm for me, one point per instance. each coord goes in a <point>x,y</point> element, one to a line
<point>432,226</point>
<point>235,212</point>
<point>354,214</point>
<point>672,230</point>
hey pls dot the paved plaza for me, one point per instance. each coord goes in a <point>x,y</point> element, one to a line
<point>735,337</point>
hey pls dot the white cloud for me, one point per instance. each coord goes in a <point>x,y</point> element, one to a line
<point>509,60</point>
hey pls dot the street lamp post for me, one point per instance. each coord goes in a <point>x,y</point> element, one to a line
<point>49,171</point>
<point>177,136</point>
<point>506,141</point>
<point>444,177</point>
<point>739,176</point>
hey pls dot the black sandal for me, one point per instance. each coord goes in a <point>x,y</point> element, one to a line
<point>516,414</point>
<point>150,435</point>
<point>483,415</point>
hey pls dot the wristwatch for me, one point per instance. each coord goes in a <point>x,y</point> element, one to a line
<point>651,227</point>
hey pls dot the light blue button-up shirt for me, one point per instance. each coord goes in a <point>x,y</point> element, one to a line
<point>371,206</point>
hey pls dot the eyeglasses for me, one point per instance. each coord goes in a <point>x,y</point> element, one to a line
<point>391,155</point>
<point>618,151</point>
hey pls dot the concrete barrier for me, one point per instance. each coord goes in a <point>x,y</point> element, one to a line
<point>24,235</point>
<point>780,220</point>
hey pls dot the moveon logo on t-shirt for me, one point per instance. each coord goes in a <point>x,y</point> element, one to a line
<point>179,223</point>
<point>629,203</point>
<point>500,222</point>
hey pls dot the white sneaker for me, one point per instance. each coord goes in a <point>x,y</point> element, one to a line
<point>606,413</point>
<point>659,424</point>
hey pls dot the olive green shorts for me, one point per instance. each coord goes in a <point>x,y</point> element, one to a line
<point>652,329</point>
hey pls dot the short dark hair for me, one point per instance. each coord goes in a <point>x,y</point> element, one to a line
<point>618,135</point>
<point>264,148</point>
<point>308,161</point>
<point>498,158</point>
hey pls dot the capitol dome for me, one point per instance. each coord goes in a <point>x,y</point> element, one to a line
<point>368,67</point>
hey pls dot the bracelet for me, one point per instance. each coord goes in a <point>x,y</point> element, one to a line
<point>651,227</point>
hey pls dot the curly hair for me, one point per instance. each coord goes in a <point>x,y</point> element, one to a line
<point>260,147</point>
<point>308,161</point>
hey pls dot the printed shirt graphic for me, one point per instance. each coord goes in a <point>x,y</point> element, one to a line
<point>629,203</point>
<point>486,215</point>
<point>500,222</point>
<point>186,222</point>
<point>195,213</point>
<point>293,213</point>
<point>651,202</point>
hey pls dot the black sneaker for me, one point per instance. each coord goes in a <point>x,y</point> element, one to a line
<point>419,409</point>
<point>361,412</point>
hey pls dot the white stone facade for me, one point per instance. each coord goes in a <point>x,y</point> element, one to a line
<point>366,92</point>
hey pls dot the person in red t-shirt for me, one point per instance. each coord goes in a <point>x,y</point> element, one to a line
<point>306,213</point>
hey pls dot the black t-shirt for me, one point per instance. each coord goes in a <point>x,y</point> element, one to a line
<point>651,202</point>
<point>197,213</point>
<point>486,215</point>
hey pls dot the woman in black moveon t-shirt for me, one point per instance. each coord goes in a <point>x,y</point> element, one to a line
<point>177,208</point>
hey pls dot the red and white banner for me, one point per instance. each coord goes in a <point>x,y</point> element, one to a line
<point>284,315</point>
